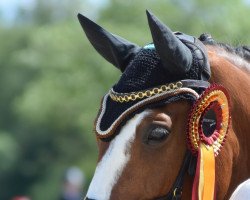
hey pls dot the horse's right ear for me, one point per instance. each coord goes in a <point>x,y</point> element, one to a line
<point>114,49</point>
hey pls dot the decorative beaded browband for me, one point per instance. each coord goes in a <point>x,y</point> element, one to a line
<point>110,118</point>
<point>133,96</point>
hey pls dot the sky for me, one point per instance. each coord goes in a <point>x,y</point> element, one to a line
<point>8,8</point>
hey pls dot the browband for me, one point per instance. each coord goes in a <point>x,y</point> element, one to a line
<point>195,83</point>
<point>133,96</point>
<point>135,101</point>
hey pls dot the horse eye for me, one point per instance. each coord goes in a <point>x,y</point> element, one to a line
<point>157,134</point>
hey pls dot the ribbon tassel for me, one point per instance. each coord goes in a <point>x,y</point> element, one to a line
<point>206,143</point>
<point>204,182</point>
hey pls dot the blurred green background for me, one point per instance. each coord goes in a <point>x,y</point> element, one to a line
<point>52,80</point>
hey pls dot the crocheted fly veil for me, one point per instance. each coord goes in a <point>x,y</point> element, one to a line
<point>158,73</point>
<point>173,67</point>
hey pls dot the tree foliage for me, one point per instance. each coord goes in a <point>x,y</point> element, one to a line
<point>52,81</point>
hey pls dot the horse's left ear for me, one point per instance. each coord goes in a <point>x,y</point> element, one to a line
<point>114,49</point>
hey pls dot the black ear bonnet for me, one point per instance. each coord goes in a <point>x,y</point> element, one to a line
<point>175,66</point>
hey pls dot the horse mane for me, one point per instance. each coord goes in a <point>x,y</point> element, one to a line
<point>241,51</point>
<point>240,55</point>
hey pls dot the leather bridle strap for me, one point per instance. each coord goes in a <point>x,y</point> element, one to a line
<point>189,162</point>
<point>190,83</point>
<point>176,191</point>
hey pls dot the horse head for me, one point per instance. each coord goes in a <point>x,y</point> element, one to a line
<point>141,129</point>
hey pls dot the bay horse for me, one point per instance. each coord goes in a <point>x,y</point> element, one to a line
<point>144,151</point>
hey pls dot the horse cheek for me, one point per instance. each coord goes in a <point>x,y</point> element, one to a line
<point>225,165</point>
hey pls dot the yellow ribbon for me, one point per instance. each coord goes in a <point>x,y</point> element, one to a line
<point>207,173</point>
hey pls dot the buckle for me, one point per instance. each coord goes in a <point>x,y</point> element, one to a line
<point>177,193</point>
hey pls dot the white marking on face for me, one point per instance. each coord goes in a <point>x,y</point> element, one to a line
<point>113,162</point>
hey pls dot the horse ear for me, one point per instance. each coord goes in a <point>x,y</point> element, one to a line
<point>114,49</point>
<point>170,49</point>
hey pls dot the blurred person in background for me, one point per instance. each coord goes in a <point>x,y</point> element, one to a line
<point>73,184</point>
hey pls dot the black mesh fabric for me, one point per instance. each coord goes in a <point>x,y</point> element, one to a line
<point>114,108</point>
<point>144,71</point>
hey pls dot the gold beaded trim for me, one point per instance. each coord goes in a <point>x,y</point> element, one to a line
<point>133,96</point>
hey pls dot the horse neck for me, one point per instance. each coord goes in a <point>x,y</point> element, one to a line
<point>237,82</point>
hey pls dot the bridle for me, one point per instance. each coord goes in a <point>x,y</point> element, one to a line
<point>189,162</point>
<point>208,98</point>
<point>201,140</point>
<point>172,56</point>
<point>188,165</point>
